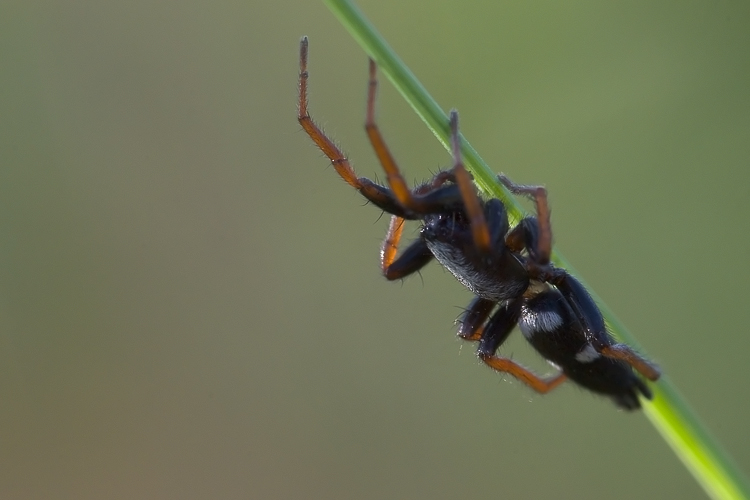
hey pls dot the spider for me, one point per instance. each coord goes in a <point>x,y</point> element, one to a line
<point>508,269</point>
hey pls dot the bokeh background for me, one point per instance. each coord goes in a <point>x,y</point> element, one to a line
<point>190,300</point>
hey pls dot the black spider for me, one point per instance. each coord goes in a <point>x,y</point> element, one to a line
<point>508,269</point>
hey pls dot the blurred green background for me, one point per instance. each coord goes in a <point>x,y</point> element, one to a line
<point>190,299</point>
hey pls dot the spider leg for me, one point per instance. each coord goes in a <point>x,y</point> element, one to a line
<point>496,217</point>
<point>395,180</point>
<point>539,195</point>
<point>539,384</point>
<point>437,181</point>
<point>495,333</point>
<point>429,198</point>
<point>472,204</point>
<point>377,194</point>
<point>414,258</point>
<point>593,323</point>
<point>525,235</point>
<point>640,364</point>
<point>471,324</point>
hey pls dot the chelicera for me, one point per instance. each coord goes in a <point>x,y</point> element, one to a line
<point>507,268</point>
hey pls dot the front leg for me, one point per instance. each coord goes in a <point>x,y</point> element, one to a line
<point>414,258</point>
<point>377,194</point>
<point>419,201</point>
<point>472,204</point>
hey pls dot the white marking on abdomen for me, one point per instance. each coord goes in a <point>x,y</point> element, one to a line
<point>539,321</point>
<point>587,354</point>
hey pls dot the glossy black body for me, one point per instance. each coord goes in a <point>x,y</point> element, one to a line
<point>497,275</point>
<point>567,338</point>
<point>567,346</point>
<point>508,269</point>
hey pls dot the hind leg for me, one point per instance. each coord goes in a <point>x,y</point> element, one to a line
<point>494,334</point>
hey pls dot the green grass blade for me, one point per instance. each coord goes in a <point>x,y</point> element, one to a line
<point>671,416</point>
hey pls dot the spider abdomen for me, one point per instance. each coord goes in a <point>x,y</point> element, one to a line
<point>552,328</point>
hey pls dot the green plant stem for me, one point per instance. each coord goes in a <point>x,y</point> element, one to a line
<point>671,416</point>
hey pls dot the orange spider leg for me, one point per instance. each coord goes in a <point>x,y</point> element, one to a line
<point>479,230</point>
<point>539,384</point>
<point>624,353</point>
<point>539,195</point>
